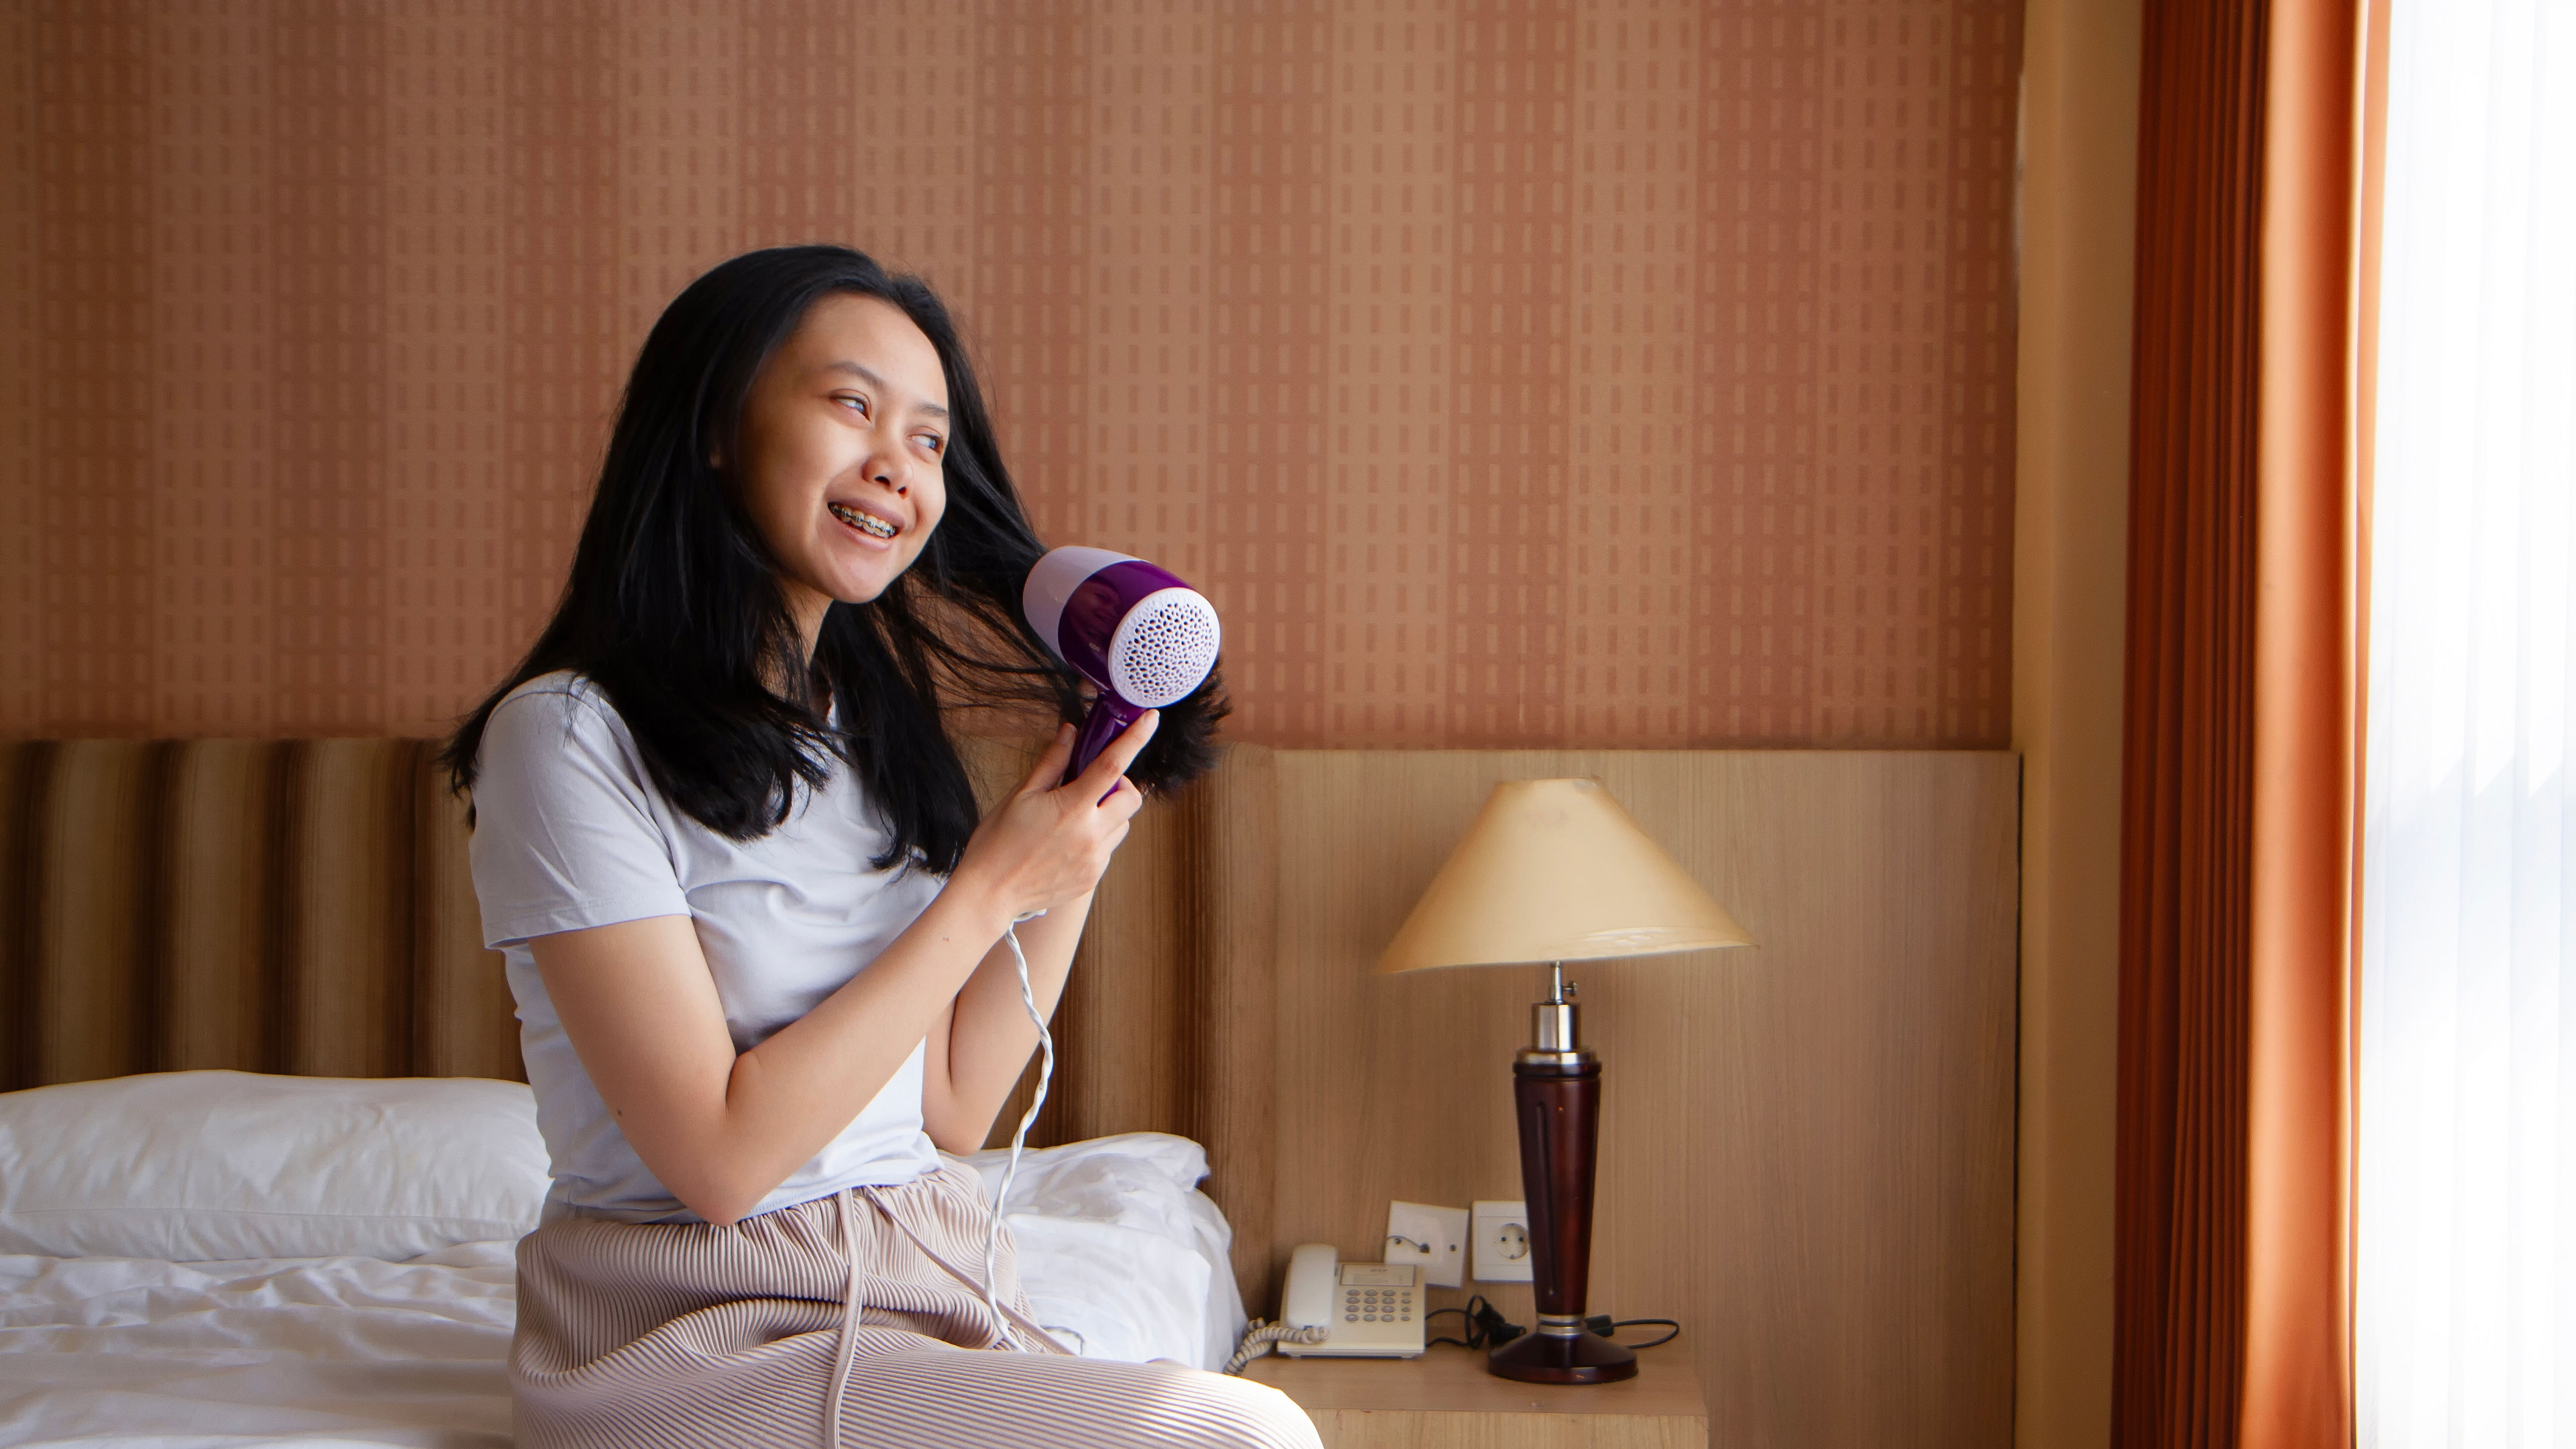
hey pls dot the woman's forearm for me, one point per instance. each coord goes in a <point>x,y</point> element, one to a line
<point>801,1087</point>
<point>990,1036</point>
<point>721,1130</point>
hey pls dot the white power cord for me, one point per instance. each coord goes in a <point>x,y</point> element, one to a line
<point>1258,1338</point>
<point>1020,1138</point>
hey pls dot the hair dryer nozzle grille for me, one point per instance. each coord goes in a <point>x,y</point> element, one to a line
<point>1164,648</point>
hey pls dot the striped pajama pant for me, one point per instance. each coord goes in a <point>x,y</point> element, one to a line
<point>854,1320</point>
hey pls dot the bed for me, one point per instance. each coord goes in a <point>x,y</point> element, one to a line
<point>226,1258</point>
<point>270,1153</point>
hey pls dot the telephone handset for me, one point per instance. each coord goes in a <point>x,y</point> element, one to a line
<point>1367,1310</point>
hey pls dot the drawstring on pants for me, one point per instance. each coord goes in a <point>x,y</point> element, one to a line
<point>1003,1335</point>
<point>845,1353</point>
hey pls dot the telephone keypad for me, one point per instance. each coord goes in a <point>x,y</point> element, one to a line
<point>1377,1305</point>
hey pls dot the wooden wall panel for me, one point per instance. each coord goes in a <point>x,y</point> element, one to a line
<point>348,871</point>
<point>464,1023</point>
<point>1229,1020</point>
<point>220,922</point>
<point>1807,1147</point>
<point>259,905</point>
<point>92,905</point>
<point>24,765</point>
<point>1120,1062</point>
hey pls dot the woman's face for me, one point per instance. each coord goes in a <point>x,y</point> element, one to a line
<point>842,440</point>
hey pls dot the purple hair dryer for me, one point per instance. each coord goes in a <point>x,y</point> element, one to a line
<point>1146,638</point>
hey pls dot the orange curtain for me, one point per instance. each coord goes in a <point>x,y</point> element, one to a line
<point>2241,759</point>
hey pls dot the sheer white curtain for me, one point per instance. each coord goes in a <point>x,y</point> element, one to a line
<point>2466,1313</point>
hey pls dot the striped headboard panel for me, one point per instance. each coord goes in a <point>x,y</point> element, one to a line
<point>304,906</point>
<point>296,906</point>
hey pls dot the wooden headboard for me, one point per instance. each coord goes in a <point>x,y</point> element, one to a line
<point>1807,1150</point>
<point>305,907</point>
<point>291,906</point>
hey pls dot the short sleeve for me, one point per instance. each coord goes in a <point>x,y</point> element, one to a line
<point>564,833</point>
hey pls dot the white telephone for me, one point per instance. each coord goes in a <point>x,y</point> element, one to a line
<point>1367,1310</point>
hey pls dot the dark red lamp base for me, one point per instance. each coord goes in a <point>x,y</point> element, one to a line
<point>1541,1358</point>
<point>1558,1094</point>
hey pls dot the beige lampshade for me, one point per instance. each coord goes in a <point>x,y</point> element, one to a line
<point>1555,870</point>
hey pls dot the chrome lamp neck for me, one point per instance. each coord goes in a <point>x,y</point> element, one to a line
<point>1555,1024</point>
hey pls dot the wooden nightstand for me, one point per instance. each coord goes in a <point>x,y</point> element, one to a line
<point>1446,1398</point>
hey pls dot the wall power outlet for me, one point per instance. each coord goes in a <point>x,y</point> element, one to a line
<point>1435,1238</point>
<point>1501,1237</point>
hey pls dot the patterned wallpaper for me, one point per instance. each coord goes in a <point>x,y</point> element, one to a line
<point>1624,373</point>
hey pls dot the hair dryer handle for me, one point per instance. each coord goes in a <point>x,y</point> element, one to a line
<point>1110,717</point>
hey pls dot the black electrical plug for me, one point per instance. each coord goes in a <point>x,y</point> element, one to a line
<point>1490,1329</point>
<point>1604,1325</point>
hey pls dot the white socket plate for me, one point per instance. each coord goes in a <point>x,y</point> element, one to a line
<point>1443,1233</point>
<point>1500,1235</point>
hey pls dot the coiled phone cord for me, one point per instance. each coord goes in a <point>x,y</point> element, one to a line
<point>1260,1336</point>
<point>1020,1138</point>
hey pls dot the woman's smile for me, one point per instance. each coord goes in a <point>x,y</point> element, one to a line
<point>870,526</point>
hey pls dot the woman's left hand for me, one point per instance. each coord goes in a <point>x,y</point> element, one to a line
<point>1048,844</point>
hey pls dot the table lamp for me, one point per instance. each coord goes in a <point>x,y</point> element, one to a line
<point>1555,871</point>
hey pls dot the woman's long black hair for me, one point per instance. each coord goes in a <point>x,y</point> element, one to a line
<point>674,611</point>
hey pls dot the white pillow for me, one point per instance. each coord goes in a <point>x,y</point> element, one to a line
<point>210,1166</point>
<point>1120,1256</point>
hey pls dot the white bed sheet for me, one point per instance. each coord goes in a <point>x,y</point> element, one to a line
<point>314,1352</point>
<point>136,1352</point>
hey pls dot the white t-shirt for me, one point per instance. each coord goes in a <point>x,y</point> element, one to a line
<point>570,831</point>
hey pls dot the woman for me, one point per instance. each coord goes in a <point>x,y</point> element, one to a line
<point>755,928</point>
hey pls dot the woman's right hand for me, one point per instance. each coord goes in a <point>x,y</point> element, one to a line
<point>1048,844</point>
